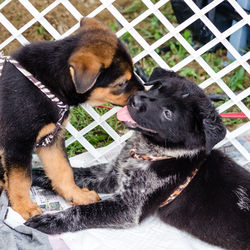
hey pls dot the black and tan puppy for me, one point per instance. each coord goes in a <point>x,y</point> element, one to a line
<point>92,66</point>
<point>169,168</point>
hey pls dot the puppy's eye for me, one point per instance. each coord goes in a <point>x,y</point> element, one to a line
<point>121,84</point>
<point>167,114</point>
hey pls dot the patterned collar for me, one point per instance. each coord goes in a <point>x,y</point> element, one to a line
<point>138,156</point>
<point>63,108</point>
<point>178,190</point>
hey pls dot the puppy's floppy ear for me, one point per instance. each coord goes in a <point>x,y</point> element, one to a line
<point>160,74</point>
<point>84,69</point>
<point>213,127</point>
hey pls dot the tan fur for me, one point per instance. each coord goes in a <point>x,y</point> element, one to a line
<point>91,23</point>
<point>18,183</point>
<point>2,158</point>
<point>58,169</point>
<point>45,131</point>
<point>18,189</point>
<point>102,95</point>
<point>5,181</point>
<point>1,186</point>
<point>126,77</point>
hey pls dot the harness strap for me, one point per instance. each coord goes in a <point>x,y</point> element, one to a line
<point>63,108</point>
<point>177,191</point>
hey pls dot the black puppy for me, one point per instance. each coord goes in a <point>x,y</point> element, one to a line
<point>167,167</point>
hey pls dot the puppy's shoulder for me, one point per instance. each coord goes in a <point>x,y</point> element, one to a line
<point>225,169</point>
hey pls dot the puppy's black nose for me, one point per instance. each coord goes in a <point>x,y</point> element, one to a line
<point>136,102</point>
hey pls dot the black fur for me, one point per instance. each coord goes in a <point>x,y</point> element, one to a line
<point>214,207</point>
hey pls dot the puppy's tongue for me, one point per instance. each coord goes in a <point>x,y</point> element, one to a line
<point>124,116</point>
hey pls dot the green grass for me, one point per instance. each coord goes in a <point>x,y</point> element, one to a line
<point>238,79</point>
<point>40,30</point>
<point>97,137</point>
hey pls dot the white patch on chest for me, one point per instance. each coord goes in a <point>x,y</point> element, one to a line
<point>243,199</point>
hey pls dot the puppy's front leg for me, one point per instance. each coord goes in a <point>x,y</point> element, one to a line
<point>110,213</point>
<point>16,179</point>
<point>56,166</point>
<point>102,178</point>
<point>17,184</point>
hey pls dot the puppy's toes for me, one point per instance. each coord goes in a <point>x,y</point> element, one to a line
<point>36,210</point>
<point>85,198</point>
<point>93,196</point>
<point>27,210</point>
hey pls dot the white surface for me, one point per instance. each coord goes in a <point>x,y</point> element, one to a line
<point>152,234</point>
<point>14,219</point>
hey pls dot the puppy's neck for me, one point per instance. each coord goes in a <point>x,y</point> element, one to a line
<point>144,146</point>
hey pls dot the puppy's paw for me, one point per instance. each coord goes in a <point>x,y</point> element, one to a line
<point>27,209</point>
<point>85,197</point>
<point>46,223</point>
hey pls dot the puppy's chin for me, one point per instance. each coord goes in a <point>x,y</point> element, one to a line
<point>137,127</point>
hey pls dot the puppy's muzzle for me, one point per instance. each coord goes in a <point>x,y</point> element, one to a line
<point>137,102</point>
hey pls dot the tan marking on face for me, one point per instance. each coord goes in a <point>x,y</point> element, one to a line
<point>104,95</point>
<point>18,189</point>
<point>57,168</point>
<point>47,129</point>
<point>122,79</point>
<point>128,74</point>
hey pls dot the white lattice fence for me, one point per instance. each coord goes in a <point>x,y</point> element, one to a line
<point>93,155</point>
